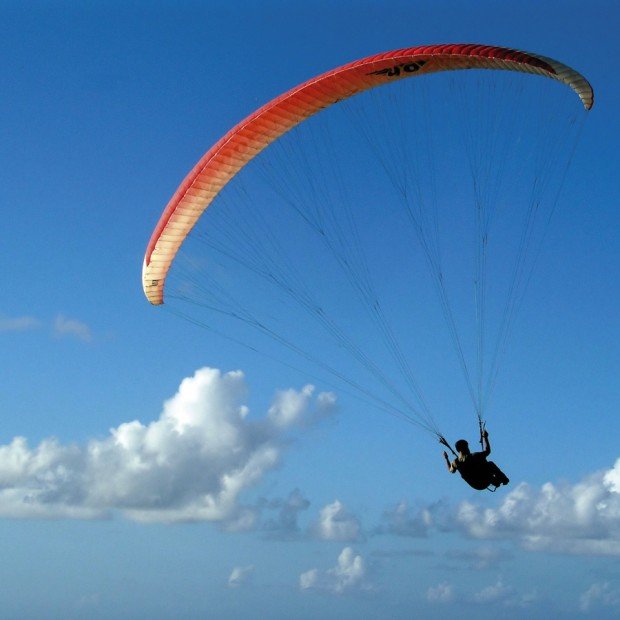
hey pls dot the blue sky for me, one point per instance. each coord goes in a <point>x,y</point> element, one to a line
<point>325,512</point>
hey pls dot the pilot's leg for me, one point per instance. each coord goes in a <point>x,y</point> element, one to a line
<point>497,475</point>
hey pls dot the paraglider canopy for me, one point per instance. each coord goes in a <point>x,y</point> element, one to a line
<point>482,166</point>
<point>253,134</point>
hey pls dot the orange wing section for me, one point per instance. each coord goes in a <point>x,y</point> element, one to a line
<point>244,141</point>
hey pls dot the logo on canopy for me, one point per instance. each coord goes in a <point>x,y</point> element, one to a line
<point>396,70</point>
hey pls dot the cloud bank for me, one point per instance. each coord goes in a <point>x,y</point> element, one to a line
<point>191,464</point>
<point>497,595</point>
<point>578,519</point>
<point>583,518</point>
<point>196,460</point>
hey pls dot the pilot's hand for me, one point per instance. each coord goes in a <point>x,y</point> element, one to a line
<point>485,434</point>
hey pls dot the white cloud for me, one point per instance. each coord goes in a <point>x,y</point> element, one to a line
<point>611,478</point>
<point>61,326</point>
<point>240,576</point>
<point>336,523</point>
<point>498,592</point>
<point>241,519</point>
<point>583,518</point>
<point>579,519</point>
<point>285,525</point>
<point>192,463</point>
<point>403,521</point>
<point>441,593</point>
<point>309,579</point>
<point>71,327</point>
<point>599,595</point>
<point>18,323</point>
<point>292,407</point>
<point>348,575</point>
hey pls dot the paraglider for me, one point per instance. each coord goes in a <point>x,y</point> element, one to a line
<point>284,232</point>
<point>475,469</point>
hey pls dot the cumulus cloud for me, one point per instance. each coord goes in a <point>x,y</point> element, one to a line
<point>336,523</point>
<point>402,520</point>
<point>240,575</point>
<point>349,574</point>
<point>240,519</point>
<point>583,518</point>
<point>71,327</point>
<point>580,519</point>
<point>441,593</point>
<point>503,595</point>
<point>498,592</point>
<point>599,595</point>
<point>192,463</point>
<point>611,478</point>
<point>292,407</point>
<point>285,525</point>
<point>18,323</point>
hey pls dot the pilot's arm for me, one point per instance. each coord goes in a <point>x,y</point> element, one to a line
<point>486,446</point>
<point>451,466</point>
